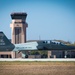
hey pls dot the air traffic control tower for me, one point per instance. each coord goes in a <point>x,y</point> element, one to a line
<point>18,27</point>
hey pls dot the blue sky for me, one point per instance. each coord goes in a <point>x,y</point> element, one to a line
<point>47,19</point>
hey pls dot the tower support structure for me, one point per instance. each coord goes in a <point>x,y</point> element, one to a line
<point>18,27</point>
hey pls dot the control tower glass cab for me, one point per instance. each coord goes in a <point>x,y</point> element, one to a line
<point>18,27</point>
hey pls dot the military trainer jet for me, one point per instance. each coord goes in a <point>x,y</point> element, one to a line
<point>6,45</point>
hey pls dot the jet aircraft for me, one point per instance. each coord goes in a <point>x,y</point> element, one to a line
<point>6,45</point>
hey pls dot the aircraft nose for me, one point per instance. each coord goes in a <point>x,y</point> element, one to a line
<point>72,47</point>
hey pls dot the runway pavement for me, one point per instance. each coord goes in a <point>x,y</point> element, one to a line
<point>51,59</point>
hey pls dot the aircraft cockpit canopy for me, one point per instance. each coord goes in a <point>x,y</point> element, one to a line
<point>52,42</point>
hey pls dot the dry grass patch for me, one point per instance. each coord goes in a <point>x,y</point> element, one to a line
<point>37,68</point>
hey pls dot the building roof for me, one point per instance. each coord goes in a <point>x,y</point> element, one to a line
<point>18,15</point>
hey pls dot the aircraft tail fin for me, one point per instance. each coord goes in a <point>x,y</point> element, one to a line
<point>4,40</point>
